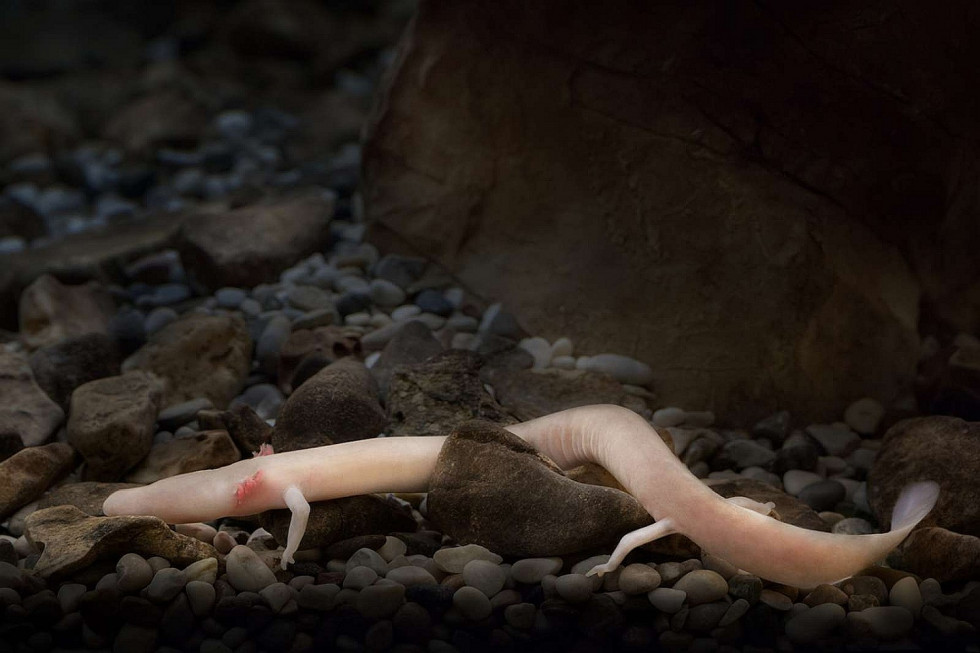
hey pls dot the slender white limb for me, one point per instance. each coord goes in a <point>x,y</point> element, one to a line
<point>298,505</point>
<point>632,540</point>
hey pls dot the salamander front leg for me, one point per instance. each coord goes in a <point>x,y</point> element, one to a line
<point>632,540</point>
<point>300,508</point>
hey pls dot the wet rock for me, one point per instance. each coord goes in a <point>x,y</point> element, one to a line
<point>322,346</point>
<point>531,393</point>
<point>934,552</point>
<point>248,431</point>
<point>341,519</point>
<point>111,423</point>
<point>26,412</point>
<point>411,344</point>
<point>338,404</point>
<point>51,312</point>
<point>434,397</point>
<point>198,356</point>
<point>87,496</point>
<point>941,449</point>
<point>251,245</point>
<point>206,450</point>
<point>73,540</point>
<point>28,473</point>
<point>62,367</point>
<point>491,488</point>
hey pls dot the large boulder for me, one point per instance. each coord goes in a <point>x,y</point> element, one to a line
<point>734,195</point>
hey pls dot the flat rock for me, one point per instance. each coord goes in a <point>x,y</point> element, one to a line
<point>26,412</point>
<point>87,496</point>
<point>72,540</point>
<point>51,311</point>
<point>206,450</point>
<point>531,393</point>
<point>62,367</point>
<point>341,519</point>
<point>491,488</point>
<point>198,356</point>
<point>111,423</point>
<point>250,245</point>
<point>411,344</point>
<point>941,449</point>
<point>338,404</point>
<point>29,472</point>
<point>934,552</point>
<point>434,397</point>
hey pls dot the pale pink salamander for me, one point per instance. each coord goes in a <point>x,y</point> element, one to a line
<point>737,530</point>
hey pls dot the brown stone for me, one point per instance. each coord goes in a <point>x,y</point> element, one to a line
<point>73,540</point>
<point>246,428</point>
<point>251,245</point>
<point>531,393</point>
<point>26,412</point>
<point>434,397</point>
<point>328,343</point>
<point>635,198</point>
<point>205,450</point>
<point>32,120</point>
<point>491,488</point>
<point>62,367</point>
<point>941,449</point>
<point>338,404</point>
<point>934,552</point>
<point>86,496</point>
<point>340,519</point>
<point>164,116</point>
<point>198,356</point>
<point>51,312</point>
<point>29,472</point>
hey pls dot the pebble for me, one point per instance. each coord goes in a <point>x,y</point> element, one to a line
<point>205,570</point>
<point>486,576</point>
<point>277,595</point>
<point>563,362</point>
<point>133,573</point>
<point>405,312</point>
<point>386,294</point>
<point>864,415</point>
<point>905,593</point>
<point>392,548</point>
<point>380,601</point>
<point>622,368</point>
<point>574,588</point>
<point>532,570</point>
<point>358,578</point>
<point>822,495</point>
<point>747,453</point>
<point>669,416</point>
<point>246,571</point>
<point>411,575</point>
<point>230,298</point>
<point>159,318</point>
<point>308,298</point>
<point>318,597</point>
<point>521,615</point>
<point>166,584</point>
<point>177,415</point>
<point>201,597</point>
<point>885,622</point>
<point>796,479</point>
<point>735,611</point>
<point>702,586</point>
<point>540,350</point>
<point>835,440</point>
<point>365,557</point>
<point>815,624</point>
<point>853,526</point>
<point>825,593</point>
<point>776,600</point>
<point>68,595</point>
<point>667,599</point>
<point>472,603</point>
<point>638,579</point>
<point>270,342</point>
<point>433,301</point>
<point>454,559</point>
<point>562,347</point>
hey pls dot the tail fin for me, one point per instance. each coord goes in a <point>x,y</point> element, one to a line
<point>913,503</point>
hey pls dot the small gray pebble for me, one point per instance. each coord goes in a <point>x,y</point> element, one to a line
<point>380,601</point>
<point>574,588</point>
<point>532,570</point>
<point>485,576</point>
<point>472,603</point>
<point>166,584</point>
<point>368,558</point>
<point>133,573</point>
<point>360,577</point>
<point>201,597</point>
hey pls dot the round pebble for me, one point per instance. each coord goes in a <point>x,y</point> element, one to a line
<point>230,298</point>
<point>885,622</point>
<point>864,415</point>
<point>795,480</point>
<point>365,557</point>
<point>815,624</point>
<point>574,588</point>
<point>68,595</point>
<point>472,603</point>
<point>532,570</point>
<point>133,573</point>
<point>702,586</point>
<point>454,559</point>
<point>392,548</point>
<point>905,593</point>
<point>776,600</point>
<point>822,495</point>
<point>318,597</point>
<point>853,526</point>
<point>277,595</point>
<point>200,596</point>
<point>622,368</point>
<point>669,416</point>
<point>159,318</point>
<point>380,601</point>
<point>638,579</point>
<point>166,584</point>
<point>270,342</point>
<point>205,570</point>
<point>360,577</point>
<point>735,611</point>
<point>540,350</point>
<point>667,599</point>
<point>405,312</point>
<point>410,576</point>
<point>520,615</point>
<point>386,294</point>
<point>486,576</point>
<point>246,571</point>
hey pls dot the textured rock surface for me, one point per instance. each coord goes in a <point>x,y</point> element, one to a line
<point>28,473</point>
<point>491,488</point>
<point>413,343</point>
<point>338,404</point>
<point>26,412</point>
<point>205,450</point>
<point>248,431</point>
<point>197,356</point>
<point>434,397</point>
<point>686,184</point>
<point>111,423</point>
<point>62,367</point>
<point>248,246</point>
<point>51,311</point>
<point>340,519</point>
<point>73,540</point>
<point>533,393</point>
<point>941,449</point>
<point>934,552</point>
<point>326,344</point>
<point>86,496</point>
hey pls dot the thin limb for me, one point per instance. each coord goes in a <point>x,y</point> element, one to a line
<point>632,540</point>
<point>300,508</point>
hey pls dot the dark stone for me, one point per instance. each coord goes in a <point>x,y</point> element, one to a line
<point>934,552</point>
<point>528,393</point>
<point>434,598</point>
<point>353,302</point>
<point>433,301</point>
<point>248,431</point>
<point>62,367</point>
<point>412,344</point>
<point>788,508</point>
<point>823,495</point>
<point>10,443</point>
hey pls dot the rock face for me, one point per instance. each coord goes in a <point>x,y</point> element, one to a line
<point>251,245</point>
<point>637,185</point>
<point>25,411</point>
<point>51,311</point>
<point>206,450</point>
<point>28,473</point>
<point>111,423</point>
<point>61,368</point>
<point>492,488</point>
<point>198,356</point>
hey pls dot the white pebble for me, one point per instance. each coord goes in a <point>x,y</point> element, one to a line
<point>372,359</point>
<point>563,362</point>
<point>864,415</point>
<point>392,548</point>
<point>540,350</point>
<point>622,368</point>
<point>669,416</point>
<point>796,479</point>
<point>905,593</point>
<point>561,347</point>
<point>667,599</point>
<point>405,312</point>
<point>246,571</point>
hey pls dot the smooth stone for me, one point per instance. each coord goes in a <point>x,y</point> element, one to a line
<point>887,622</point>
<point>229,297</point>
<point>702,586</point>
<point>308,298</point>
<point>196,451</point>
<point>277,595</point>
<point>520,615</point>
<point>532,570</point>
<point>159,318</point>
<point>29,472</point>
<point>246,571</point>
<point>386,294</point>
<point>825,593</point>
<point>638,579</point>
<point>472,603</point>
<point>177,415</point>
<point>540,350</point>
<point>486,576</point>
<point>822,495</point>
<point>735,611</point>
<point>26,412</point>
<point>400,270</point>
<point>815,624</point>
<point>669,416</point>
<point>776,600</point>
<point>205,570</point>
<point>405,312</point>
<point>705,617</point>
<point>622,368</point>
<point>358,578</point>
<point>201,597</point>
<point>365,557</point>
<point>270,342</point>
<point>853,526</point>
<point>380,601</point>
<point>318,597</point>
<point>433,301</point>
<point>746,453</point>
<point>530,393</point>
<point>68,596</point>
<point>795,480</point>
<point>392,548</point>
<point>905,593</point>
<point>166,584</point>
<point>667,599</point>
<point>454,559</point>
<point>864,415</point>
<point>835,440</point>
<point>411,575</point>
<point>574,588</point>
<point>133,573</point>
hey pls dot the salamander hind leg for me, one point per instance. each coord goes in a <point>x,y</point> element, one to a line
<point>300,508</point>
<point>632,540</point>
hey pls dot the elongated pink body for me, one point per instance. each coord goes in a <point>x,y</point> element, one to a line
<point>611,436</point>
